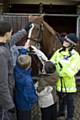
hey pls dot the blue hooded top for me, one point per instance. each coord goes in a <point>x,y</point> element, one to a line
<point>25,94</point>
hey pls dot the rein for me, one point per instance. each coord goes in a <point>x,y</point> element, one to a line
<point>34,40</point>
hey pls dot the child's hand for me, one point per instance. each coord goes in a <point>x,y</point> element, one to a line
<point>28,26</point>
<point>27,45</point>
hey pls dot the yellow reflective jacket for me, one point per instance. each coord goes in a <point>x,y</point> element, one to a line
<point>67,65</point>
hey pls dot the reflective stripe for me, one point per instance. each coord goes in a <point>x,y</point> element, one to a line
<point>67,89</point>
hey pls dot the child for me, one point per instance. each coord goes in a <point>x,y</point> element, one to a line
<point>45,86</point>
<point>25,95</point>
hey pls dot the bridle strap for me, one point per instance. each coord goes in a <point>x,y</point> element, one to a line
<point>34,40</point>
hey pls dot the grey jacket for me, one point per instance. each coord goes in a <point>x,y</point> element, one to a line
<point>6,72</point>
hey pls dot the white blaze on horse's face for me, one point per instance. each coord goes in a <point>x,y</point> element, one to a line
<point>29,35</point>
<point>30,31</point>
<point>35,35</point>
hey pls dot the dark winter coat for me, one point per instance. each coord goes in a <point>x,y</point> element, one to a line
<point>6,72</point>
<point>25,95</point>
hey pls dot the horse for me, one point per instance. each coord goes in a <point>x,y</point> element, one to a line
<point>44,37</point>
<point>45,34</point>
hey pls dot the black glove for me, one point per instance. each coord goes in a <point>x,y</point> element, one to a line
<point>12,110</point>
<point>28,26</point>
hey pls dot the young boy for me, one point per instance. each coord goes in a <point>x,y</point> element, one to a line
<point>25,94</point>
<point>45,88</point>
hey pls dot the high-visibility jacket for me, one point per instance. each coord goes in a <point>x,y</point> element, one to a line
<point>67,65</point>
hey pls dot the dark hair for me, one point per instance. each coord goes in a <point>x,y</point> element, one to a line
<point>49,67</point>
<point>4,27</point>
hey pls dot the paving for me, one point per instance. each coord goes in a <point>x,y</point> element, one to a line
<point>36,115</point>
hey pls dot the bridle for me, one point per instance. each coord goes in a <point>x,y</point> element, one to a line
<point>38,39</point>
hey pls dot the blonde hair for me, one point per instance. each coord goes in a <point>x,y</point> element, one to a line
<point>24,61</point>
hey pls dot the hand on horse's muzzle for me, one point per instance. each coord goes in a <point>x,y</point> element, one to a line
<point>28,26</point>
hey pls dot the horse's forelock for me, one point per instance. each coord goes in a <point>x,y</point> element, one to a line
<point>35,19</point>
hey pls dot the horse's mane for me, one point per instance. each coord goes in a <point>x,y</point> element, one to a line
<point>49,28</point>
<point>39,20</point>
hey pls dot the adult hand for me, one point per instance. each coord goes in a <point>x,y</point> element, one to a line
<point>28,26</point>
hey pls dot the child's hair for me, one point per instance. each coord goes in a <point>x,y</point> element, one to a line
<point>49,67</point>
<point>24,61</point>
<point>4,27</point>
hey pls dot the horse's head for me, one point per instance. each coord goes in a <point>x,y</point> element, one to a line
<point>44,37</point>
<point>35,35</point>
<point>35,38</point>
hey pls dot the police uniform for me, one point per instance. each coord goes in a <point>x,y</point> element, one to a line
<point>67,63</point>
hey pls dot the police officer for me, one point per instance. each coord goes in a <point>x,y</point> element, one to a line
<point>67,62</point>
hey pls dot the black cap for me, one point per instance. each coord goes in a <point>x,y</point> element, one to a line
<point>71,37</point>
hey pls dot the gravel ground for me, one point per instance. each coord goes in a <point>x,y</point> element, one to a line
<point>77,106</point>
<point>36,115</point>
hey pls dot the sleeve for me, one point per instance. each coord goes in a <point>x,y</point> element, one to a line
<point>5,98</point>
<point>71,69</point>
<point>42,57</point>
<point>53,58</point>
<point>17,37</point>
<point>14,54</point>
<point>47,90</point>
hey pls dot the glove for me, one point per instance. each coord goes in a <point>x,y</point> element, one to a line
<point>28,26</point>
